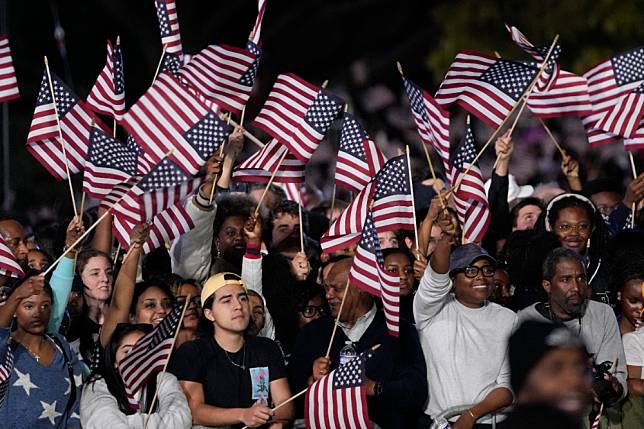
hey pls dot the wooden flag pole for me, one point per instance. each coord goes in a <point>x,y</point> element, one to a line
<point>214,183</point>
<point>525,95</point>
<point>270,182</point>
<point>552,137</point>
<point>411,191</point>
<point>299,207</point>
<point>247,134</point>
<point>241,119</point>
<point>165,366</point>
<point>156,73</point>
<point>337,320</point>
<point>94,225</point>
<point>60,135</point>
<point>634,205</point>
<point>332,201</point>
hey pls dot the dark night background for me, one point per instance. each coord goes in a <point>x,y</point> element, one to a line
<point>317,40</point>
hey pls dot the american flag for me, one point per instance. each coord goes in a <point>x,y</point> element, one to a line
<point>159,189</point>
<point>107,96</point>
<point>223,74</point>
<point>368,273</point>
<point>167,225</point>
<point>43,141</point>
<point>392,201</point>
<point>109,162</point>
<point>345,230</point>
<point>149,355</point>
<point>339,400</point>
<point>359,158</point>
<point>145,162</point>
<point>171,64</point>
<point>294,192</point>
<point>611,84</point>
<point>168,116</point>
<point>539,53</point>
<point>470,198</point>
<point>431,120</point>
<point>485,86</point>
<point>260,166</point>
<point>257,29</point>
<point>558,92</point>
<point>6,368</point>
<point>9,266</point>
<point>298,114</point>
<point>8,81</point>
<point>169,26</point>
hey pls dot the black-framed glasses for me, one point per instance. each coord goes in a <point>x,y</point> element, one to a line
<point>580,227</point>
<point>309,311</point>
<point>473,271</point>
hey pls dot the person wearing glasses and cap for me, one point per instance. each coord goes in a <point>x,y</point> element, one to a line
<point>463,335</point>
<point>232,379</point>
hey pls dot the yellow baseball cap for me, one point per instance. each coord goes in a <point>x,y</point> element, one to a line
<point>218,281</point>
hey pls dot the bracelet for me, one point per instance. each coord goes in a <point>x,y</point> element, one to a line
<point>472,414</point>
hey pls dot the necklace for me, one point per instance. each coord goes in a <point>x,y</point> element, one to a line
<point>35,355</point>
<point>243,365</point>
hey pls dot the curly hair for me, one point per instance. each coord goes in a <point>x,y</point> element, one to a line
<point>232,204</point>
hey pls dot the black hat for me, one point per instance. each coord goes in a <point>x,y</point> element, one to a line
<point>531,342</point>
<point>464,255</point>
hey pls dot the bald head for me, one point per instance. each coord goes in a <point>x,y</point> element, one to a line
<point>14,235</point>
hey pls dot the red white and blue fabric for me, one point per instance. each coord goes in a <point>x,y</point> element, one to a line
<point>260,166</point>
<point>6,368</point>
<point>109,163</point>
<point>167,225</point>
<point>346,229</point>
<point>149,355</point>
<point>393,206</point>
<point>615,86</point>
<point>359,158</point>
<point>8,82</point>
<point>557,92</point>
<point>223,74</point>
<point>43,141</point>
<point>257,29</point>
<point>470,199</point>
<point>169,26</point>
<point>298,114</point>
<point>107,96</point>
<point>539,53</point>
<point>159,189</point>
<point>144,161</point>
<point>9,266</point>
<point>171,117</point>
<point>432,121</point>
<point>369,274</point>
<point>339,400</point>
<point>485,86</point>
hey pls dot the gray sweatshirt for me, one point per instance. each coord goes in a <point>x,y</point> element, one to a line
<point>600,332</point>
<point>465,348</point>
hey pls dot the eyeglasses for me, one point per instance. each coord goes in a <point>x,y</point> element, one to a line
<point>309,311</point>
<point>396,270</point>
<point>580,227</point>
<point>472,271</point>
<point>181,300</point>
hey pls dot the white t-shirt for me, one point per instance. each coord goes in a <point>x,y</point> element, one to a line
<point>634,348</point>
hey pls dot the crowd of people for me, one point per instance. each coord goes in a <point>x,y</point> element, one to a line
<point>537,326</point>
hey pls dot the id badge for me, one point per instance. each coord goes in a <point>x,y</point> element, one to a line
<point>260,383</point>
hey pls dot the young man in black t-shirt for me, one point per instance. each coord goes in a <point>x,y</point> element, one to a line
<point>231,379</point>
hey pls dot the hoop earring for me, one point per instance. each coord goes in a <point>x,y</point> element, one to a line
<point>218,255</point>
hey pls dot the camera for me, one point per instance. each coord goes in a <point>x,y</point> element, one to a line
<point>604,388</point>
